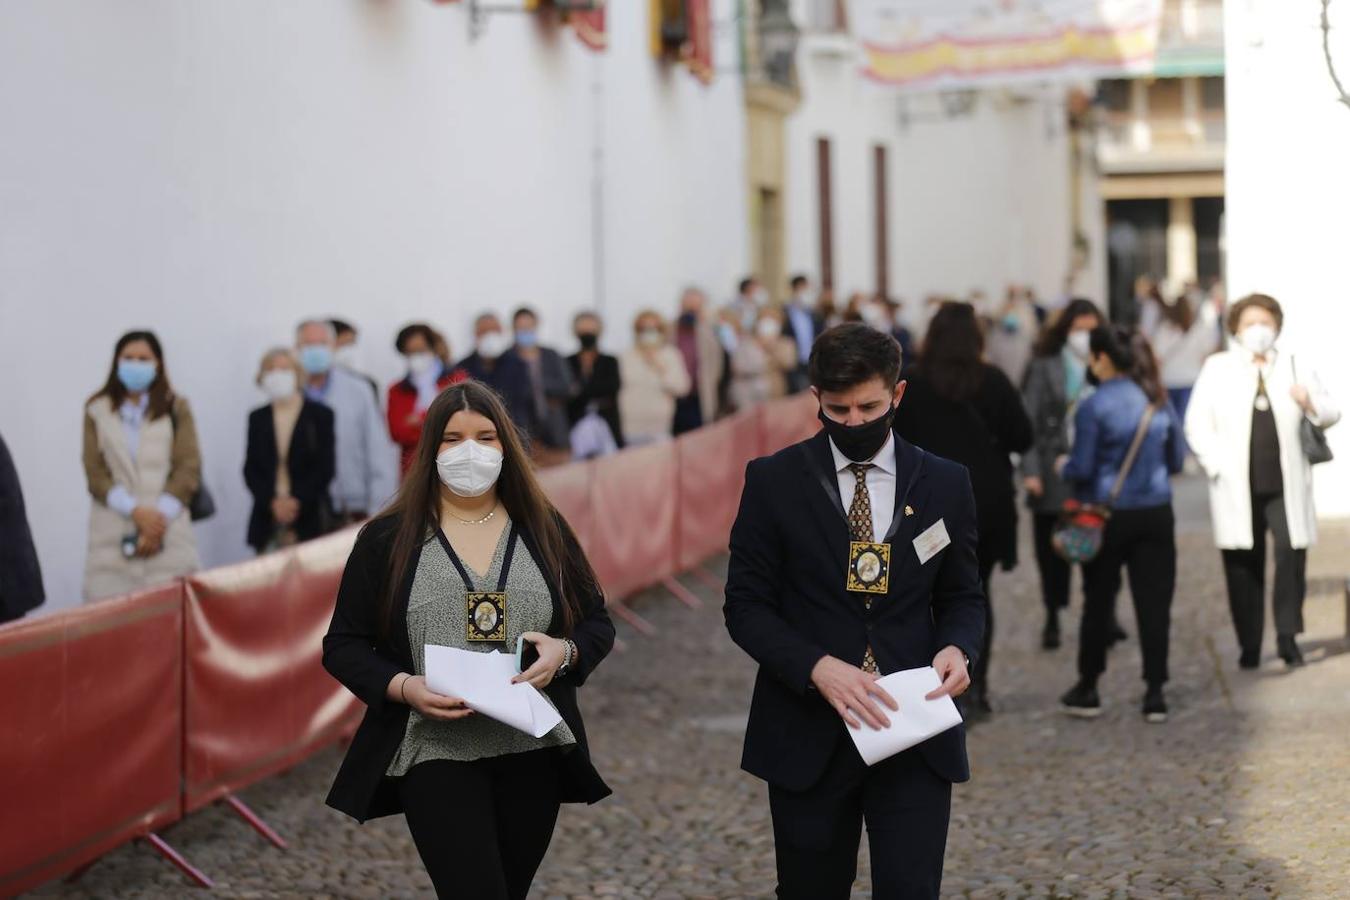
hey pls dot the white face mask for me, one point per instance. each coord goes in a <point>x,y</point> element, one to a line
<point>469,469</point>
<point>1257,338</point>
<point>768,328</point>
<point>492,345</point>
<point>278,384</point>
<point>1079,343</point>
<point>651,337</point>
<point>421,363</point>
<point>347,356</point>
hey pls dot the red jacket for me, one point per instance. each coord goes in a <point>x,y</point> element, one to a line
<point>405,427</point>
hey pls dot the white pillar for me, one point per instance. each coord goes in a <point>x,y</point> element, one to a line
<point>1181,244</point>
<point>1141,136</point>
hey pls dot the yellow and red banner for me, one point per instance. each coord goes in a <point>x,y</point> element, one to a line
<point>962,44</point>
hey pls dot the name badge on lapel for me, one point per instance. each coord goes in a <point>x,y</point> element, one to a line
<point>487,616</point>
<point>869,568</point>
<point>932,541</point>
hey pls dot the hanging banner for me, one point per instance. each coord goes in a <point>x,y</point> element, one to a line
<point>965,44</point>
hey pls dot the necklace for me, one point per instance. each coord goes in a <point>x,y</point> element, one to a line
<point>490,514</point>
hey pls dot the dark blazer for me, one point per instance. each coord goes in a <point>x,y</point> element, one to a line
<point>1045,395</point>
<point>357,653</point>
<point>20,576</point>
<point>787,607</point>
<point>311,461</point>
<point>510,378</point>
<point>600,389</point>
<point>981,434</point>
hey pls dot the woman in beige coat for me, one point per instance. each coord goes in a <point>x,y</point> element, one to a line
<point>143,466</point>
<point>652,374</point>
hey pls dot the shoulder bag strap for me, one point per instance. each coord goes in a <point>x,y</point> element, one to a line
<point>1139,434</point>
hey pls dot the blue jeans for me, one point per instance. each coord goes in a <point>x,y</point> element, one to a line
<point>1181,398</point>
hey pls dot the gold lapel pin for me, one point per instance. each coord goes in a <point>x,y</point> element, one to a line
<point>909,510</point>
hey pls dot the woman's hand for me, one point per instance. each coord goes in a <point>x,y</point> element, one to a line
<point>150,522</point>
<point>1035,487</point>
<point>430,704</point>
<point>147,546</point>
<point>1302,398</point>
<point>1060,462</point>
<point>552,651</point>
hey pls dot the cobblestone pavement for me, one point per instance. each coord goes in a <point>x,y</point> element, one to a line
<point>1242,794</point>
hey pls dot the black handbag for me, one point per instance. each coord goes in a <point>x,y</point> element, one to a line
<point>202,505</point>
<point>1312,437</point>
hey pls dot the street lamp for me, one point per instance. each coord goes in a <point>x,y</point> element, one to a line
<point>778,37</point>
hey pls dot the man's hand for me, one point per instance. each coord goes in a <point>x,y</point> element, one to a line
<point>951,668</point>
<point>850,691</point>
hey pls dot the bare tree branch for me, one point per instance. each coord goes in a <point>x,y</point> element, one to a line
<point>1326,52</point>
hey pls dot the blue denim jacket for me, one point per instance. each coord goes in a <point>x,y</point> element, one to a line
<point>1103,429</point>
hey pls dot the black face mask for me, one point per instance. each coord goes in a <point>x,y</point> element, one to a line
<point>589,341</point>
<point>687,321</point>
<point>1091,378</point>
<point>859,442</point>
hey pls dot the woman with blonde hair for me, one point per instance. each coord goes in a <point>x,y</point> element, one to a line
<point>653,376</point>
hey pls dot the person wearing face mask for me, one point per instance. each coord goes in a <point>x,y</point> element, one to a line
<point>597,377</point>
<point>367,463</point>
<point>290,458</point>
<point>143,466</point>
<point>701,344</point>
<point>762,362</point>
<point>1183,339</point>
<point>551,387</point>
<point>1012,333</point>
<point>1243,425</point>
<point>347,355</point>
<point>653,376</point>
<point>802,322</point>
<point>425,352</point>
<point>823,626</point>
<point>1127,443</point>
<point>1056,382</point>
<point>471,555</point>
<point>966,410</point>
<point>494,363</point>
<point>745,306</point>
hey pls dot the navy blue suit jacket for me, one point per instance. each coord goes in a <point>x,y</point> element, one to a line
<point>787,607</point>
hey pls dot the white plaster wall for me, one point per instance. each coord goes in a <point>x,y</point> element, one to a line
<point>974,202</point>
<point>1288,187</point>
<point>216,171</point>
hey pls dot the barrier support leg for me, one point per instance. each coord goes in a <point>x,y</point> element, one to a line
<point>681,593</point>
<point>624,612</point>
<point>255,821</point>
<point>177,859</point>
<point>708,578</point>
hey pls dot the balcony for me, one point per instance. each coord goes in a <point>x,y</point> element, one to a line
<point>1190,40</point>
<point>1160,144</point>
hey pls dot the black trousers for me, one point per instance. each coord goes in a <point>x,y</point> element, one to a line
<point>1245,572</point>
<point>482,827</point>
<point>816,832</point>
<point>1143,543</point>
<point>1054,569</point>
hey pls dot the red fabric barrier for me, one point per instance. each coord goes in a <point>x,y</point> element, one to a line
<point>711,474</point>
<point>569,489</point>
<point>633,531</point>
<point>91,747</point>
<point>786,421</point>
<point>258,699</point>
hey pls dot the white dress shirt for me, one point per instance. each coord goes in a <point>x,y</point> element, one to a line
<point>880,485</point>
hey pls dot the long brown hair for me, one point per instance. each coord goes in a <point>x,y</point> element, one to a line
<point>1056,332</point>
<point>417,506</point>
<point>952,352</point>
<point>160,392</point>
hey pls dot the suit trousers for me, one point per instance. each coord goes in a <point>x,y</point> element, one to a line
<point>1054,569</point>
<point>1143,543</point>
<point>1245,572</point>
<point>816,832</point>
<point>482,827</point>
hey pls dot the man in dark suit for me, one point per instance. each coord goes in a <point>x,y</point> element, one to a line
<point>821,647</point>
<point>803,325</point>
<point>495,363</point>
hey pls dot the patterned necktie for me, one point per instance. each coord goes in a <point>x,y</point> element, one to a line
<point>860,528</point>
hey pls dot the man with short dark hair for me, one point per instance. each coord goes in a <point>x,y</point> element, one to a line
<point>824,629</point>
<point>551,385</point>
<point>495,363</point>
<point>346,355</point>
<point>803,324</point>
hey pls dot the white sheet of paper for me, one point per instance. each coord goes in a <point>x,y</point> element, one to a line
<point>916,721</point>
<point>483,680</point>
<point>933,539</point>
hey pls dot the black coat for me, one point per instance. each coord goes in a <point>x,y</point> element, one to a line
<point>311,462</point>
<point>20,575</point>
<point>600,389</point>
<point>787,607</point>
<point>981,434</point>
<point>358,654</point>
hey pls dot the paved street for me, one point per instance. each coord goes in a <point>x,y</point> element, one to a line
<point>1242,794</point>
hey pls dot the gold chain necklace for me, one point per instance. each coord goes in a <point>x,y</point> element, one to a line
<point>490,514</point>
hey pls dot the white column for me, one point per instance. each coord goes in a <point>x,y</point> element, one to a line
<point>1181,244</point>
<point>1141,136</point>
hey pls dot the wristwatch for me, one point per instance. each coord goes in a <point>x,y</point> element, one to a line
<point>569,656</point>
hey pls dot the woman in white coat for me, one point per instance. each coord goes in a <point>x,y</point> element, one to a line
<point>1243,426</point>
<point>143,465</point>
